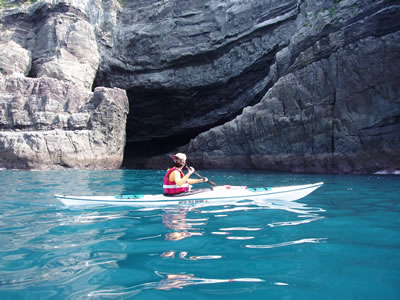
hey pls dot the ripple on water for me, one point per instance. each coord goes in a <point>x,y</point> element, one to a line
<point>348,228</point>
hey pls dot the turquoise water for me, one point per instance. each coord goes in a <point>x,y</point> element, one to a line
<point>340,242</point>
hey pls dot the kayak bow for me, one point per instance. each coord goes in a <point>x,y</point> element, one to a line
<point>225,194</point>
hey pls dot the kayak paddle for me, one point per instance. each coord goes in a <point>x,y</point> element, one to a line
<point>208,181</point>
<point>213,184</point>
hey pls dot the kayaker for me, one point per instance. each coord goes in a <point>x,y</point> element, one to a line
<point>175,182</point>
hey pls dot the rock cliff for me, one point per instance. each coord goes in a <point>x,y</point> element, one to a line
<point>293,85</point>
<point>49,117</point>
<point>305,86</point>
<point>48,124</point>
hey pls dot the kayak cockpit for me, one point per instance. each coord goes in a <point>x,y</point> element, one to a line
<point>185,194</point>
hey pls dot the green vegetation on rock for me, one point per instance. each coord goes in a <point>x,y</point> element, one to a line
<point>15,3</point>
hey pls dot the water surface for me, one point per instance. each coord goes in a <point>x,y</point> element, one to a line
<point>340,242</point>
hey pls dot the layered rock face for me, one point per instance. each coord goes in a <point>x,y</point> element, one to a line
<point>279,85</point>
<point>49,124</point>
<point>338,114</point>
<point>49,117</point>
<point>307,86</point>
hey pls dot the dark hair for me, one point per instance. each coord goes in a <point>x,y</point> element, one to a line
<point>177,164</point>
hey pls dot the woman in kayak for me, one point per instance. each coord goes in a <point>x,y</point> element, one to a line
<point>175,182</point>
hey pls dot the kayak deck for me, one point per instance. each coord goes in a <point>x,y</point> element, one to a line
<point>218,194</point>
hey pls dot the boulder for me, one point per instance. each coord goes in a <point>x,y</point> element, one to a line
<point>14,59</point>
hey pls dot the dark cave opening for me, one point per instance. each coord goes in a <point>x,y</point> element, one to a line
<point>157,131</point>
<point>137,151</point>
<point>163,119</point>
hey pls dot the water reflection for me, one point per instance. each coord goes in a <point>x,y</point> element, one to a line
<point>45,246</point>
<point>172,281</point>
<point>168,282</point>
<point>302,241</point>
<point>184,255</point>
<point>182,226</point>
<point>51,246</point>
<point>289,206</point>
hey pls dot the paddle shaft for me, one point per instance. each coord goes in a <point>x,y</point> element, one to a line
<point>197,174</point>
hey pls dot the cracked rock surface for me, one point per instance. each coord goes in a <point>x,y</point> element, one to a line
<point>49,116</point>
<point>289,85</point>
<point>49,124</point>
<point>304,86</point>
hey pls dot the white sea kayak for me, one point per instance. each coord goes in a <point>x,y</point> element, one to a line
<point>225,194</point>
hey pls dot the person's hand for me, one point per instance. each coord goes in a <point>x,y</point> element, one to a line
<point>191,170</point>
<point>205,179</point>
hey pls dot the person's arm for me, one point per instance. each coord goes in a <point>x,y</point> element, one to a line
<point>176,176</point>
<point>193,181</point>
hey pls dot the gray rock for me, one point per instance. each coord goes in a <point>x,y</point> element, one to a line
<point>53,120</point>
<point>66,49</point>
<point>279,85</point>
<point>200,61</point>
<point>49,124</point>
<point>342,119</point>
<point>14,59</point>
<point>305,86</point>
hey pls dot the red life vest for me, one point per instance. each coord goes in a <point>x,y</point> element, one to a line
<point>170,187</point>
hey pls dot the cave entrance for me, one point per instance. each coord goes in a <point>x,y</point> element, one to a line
<point>137,153</point>
<point>161,120</point>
